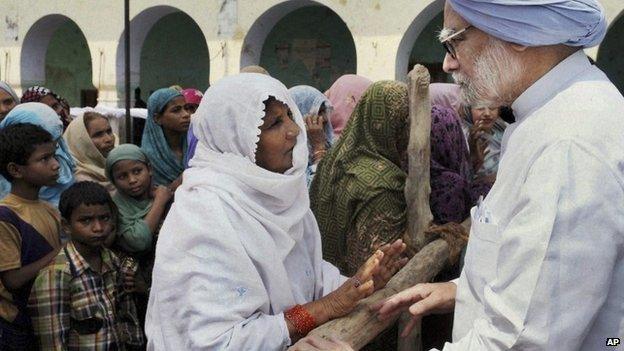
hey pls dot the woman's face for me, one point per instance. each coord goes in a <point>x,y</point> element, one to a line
<point>278,137</point>
<point>51,101</point>
<point>132,177</point>
<point>101,134</point>
<point>486,115</point>
<point>191,108</point>
<point>175,117</point>
<point>6,103</point>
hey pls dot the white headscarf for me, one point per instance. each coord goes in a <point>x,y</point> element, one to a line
<point>227,127</point>
<point>240,244</point>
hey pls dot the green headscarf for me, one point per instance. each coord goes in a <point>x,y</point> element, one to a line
<point>133,234</point>
<point>166,166</point>
<point>357,193</point>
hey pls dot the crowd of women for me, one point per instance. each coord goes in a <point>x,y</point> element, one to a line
<point>253,213</point>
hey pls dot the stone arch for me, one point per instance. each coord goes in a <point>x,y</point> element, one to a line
<point>301,55</point>
<point>141,27</point>
<point>413,34</point>
<point>55,53</point>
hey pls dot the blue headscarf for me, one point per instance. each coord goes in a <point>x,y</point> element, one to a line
<point>309,101</point>
<point>43,116</point>
<point>6,87</point>
<point>166,166</point>
<point>579,23</point>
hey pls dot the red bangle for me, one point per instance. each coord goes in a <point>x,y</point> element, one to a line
<point>301,319</point>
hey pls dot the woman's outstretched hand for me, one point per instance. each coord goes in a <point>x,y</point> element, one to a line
<point>344,299</point>
<point>390,263</point>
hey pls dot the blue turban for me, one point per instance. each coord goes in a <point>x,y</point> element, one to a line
<point>537,22</point>
<point>166,166</point>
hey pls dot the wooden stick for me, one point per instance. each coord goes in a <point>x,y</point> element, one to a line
<point>361,326</point>
<point>417,187</point>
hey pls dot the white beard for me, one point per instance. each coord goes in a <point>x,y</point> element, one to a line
<point>497,70</point>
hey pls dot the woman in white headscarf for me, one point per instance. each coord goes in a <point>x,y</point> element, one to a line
<point>238,262</point>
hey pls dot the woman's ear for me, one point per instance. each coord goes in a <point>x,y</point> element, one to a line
<point>157,117</point>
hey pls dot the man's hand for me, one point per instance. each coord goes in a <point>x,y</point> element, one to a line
<point>420,300</point>
<point>315,343</point>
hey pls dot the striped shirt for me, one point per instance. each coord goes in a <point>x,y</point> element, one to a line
<point>72,307</point>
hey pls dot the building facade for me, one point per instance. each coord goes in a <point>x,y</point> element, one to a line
<point>76,47</point>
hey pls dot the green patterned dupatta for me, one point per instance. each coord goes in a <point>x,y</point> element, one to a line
<point>357,193</point>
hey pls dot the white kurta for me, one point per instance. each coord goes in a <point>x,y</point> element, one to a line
<point>211,292</point>
<point>544,268</point>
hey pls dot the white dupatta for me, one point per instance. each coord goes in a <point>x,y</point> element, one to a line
<point>240,244</point>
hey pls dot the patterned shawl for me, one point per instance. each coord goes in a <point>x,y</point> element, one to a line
<point>357,193</point>
<point>453,191</point>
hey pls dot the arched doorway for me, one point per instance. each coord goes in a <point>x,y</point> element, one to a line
<point>428,52</point>
<point>611,53</point>
<point>177,56</point>
<point>55,54</point>
<point>301,42</point>
<point>166,44</point>
<point>420,44</point>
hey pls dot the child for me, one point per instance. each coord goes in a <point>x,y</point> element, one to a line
<point>79,301</point>
<point>142,209</point>
<point>141,206</point>
<point>29,227</point>
<point>90,138</point>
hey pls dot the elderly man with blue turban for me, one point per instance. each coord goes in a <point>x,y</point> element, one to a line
<point>544,267</point>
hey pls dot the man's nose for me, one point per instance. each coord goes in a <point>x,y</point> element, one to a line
<point>450,64</point>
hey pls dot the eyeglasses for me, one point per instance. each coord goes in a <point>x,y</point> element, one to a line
<point>448,45</point>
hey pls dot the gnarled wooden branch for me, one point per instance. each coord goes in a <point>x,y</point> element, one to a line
<point>362,325</point>
<point>417,187</point>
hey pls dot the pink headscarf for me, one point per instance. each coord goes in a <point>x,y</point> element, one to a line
<point>445,95</point>
<point>344,94</point>
<point>192,96</point>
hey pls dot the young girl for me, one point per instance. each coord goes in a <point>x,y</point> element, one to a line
<point>141,206</point>
<point>164,136</point>
<point>90,138</point>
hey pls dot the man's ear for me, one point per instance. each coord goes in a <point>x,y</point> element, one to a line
<point>14,170</point>
<point>518,47</point>
<point>65,227</point>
